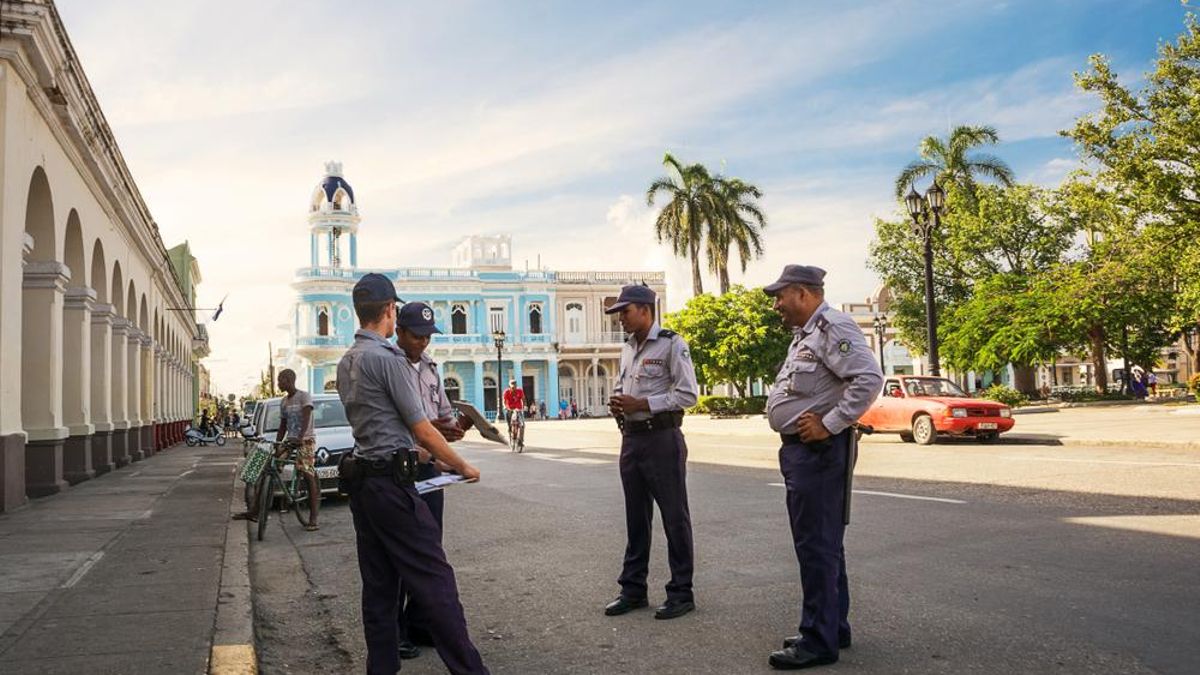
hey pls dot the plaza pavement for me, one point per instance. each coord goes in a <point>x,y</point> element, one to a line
<point>123,574</point>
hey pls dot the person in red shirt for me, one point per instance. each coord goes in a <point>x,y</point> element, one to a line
<point>514,400</point>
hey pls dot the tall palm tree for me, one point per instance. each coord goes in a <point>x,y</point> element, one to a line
<point>695,204</point>
<point>951,160</point>
<point>739,224</point>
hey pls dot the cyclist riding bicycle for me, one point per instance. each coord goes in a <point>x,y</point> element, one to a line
<point>514,402</point>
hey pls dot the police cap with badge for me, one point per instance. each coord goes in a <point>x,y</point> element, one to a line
<point>417,318</point>
<point>805,275</point>
<point>633,294</point>
<point>374,287</point>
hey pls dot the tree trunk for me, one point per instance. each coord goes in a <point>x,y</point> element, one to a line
<point>697,281</point>
<point>1099,362</point>
<point>724,278</point>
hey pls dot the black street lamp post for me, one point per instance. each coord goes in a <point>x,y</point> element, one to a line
<point>926,214</point>
<point>880,329</point>
<point>498,339</point>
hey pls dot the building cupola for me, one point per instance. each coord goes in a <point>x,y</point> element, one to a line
<point>333,217</point>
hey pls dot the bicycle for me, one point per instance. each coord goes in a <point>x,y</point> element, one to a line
<point>516,430</point>
<point>293,492</point>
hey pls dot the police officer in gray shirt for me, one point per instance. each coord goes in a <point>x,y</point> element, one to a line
<point>397,536</point>
<point>828,381</point>
<point>657,382</point>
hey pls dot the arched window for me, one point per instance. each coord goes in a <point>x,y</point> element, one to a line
<point>453,388</point>
<point>489,394</point>
<point>458,320</point>
<point>535,319</point>
<point>574,322</point>
<point>323,321</point>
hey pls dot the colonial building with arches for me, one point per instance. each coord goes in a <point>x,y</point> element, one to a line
<point>96,359</point>
<point>558,343</point>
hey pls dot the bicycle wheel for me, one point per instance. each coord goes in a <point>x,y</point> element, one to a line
<point>264,504</point>
<point>300,497</point>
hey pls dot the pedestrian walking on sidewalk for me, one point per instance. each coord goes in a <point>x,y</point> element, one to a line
<point>657,382</point>
<point>397,537</point>
<point>829,379</point>
<point>414,327</point>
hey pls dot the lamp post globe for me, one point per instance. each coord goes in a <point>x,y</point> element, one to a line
<point>936,197</point>
<point>880,331</point>
<point>915,203</point>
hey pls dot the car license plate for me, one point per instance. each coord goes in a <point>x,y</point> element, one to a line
<point>986,425</point>
<point>327,472</point>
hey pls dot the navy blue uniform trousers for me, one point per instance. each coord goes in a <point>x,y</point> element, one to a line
<point>654,470</point>
<point>815,481</point>
<point>398,539</point>
<point>412,614</point>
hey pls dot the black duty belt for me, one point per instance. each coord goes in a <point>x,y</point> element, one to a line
<point>406,459</point>
<point>671,419</point>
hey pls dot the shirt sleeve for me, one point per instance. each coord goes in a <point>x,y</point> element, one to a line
<point>683,391</point>
<point>305,400</point>
<point>400,382</point>
<point>849,357</point>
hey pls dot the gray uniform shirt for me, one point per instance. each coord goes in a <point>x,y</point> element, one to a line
<point>659,371</point>
<point>829,370</point>
<point>380,394</point>
<point>431,388</point>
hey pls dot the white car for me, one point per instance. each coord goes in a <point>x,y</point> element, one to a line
<point>334,437</point>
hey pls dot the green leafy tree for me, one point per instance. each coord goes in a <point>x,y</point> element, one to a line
<point>1146,143</point>
<point>734,338</point>
<point>694,203</point>
<point>954,160</point>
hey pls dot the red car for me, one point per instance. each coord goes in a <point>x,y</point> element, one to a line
<point>922,408</point>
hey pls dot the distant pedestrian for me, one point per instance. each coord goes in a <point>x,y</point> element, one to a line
<point>563,407</point>
<point>1137,383</point>
<point>574,410</point>
<point>1152,383</point>
<point>542,409</point>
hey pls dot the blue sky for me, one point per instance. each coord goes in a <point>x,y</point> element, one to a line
<point>547,120</point>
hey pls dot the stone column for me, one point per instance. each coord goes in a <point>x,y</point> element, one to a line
<point>551,396</point>
<point>133,393</point>
<point>158,397</point>
<point>146,354</point>
<point>516,374</point>
<point>77,383</point>
<point>101,386</point>
<point>477,390</point>
<point>593,385</point>
<point>43,287</point>
<point>120,414</point>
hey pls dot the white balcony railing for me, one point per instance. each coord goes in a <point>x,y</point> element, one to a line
<point>610,277</point>
<point>602,338</point>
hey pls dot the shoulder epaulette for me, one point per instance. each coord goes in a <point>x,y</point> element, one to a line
<point>822,323</point>
<point>667,333</point>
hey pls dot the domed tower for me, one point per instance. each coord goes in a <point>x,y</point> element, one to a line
<point>332,214</point>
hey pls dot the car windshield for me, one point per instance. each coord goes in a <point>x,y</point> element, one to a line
<point>931,386</point>
<point>327,413</point>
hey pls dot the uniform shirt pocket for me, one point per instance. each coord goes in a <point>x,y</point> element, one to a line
<point>803,377</point>
<point>652,371</point>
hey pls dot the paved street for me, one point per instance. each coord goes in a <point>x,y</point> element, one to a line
<point>963,558</point>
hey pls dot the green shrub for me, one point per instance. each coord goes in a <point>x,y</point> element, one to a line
<point>1090,395</point>
<point>728,405</point>
<point>1006,395</point>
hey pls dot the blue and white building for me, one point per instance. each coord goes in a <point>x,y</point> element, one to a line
<point>558,343</point>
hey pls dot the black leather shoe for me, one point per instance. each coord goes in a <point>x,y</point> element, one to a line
<point>624,605</point>
<point>843,641</point>
<point>672,610</point>
<point>408,650</point>
<point>795,658</point>
<point>420,637</point>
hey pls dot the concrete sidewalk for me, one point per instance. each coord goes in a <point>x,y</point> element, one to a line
<point>121,574</point>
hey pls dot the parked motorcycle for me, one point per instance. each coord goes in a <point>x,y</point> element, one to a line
<point>194,437</point>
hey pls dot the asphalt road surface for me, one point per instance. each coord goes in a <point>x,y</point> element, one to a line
<point>947,576</point>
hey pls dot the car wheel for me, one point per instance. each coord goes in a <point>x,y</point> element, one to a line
<point>923,431</point>
<point>907,437</point>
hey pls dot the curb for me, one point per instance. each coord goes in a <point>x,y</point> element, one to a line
<point>233,635</point>
<point>1017,439</point>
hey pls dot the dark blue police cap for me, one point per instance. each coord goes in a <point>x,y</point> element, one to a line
<point>417,317</point>
<point>375,287</point>
<point>797,274</point>
<point>638,294</point>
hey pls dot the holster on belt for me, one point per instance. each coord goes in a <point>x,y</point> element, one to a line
<point>401,468</point>
<point>349,473</point>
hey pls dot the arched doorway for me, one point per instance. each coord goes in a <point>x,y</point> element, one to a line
<point>489,394</point>
<point>453,388</point>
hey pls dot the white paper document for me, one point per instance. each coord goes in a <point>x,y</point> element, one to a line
<point>438,482</point>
